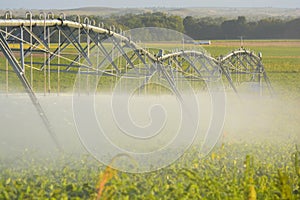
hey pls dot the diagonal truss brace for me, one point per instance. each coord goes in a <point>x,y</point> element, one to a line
<point>18,70</point>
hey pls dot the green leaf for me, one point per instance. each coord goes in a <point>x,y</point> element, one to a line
<point>8,181</point>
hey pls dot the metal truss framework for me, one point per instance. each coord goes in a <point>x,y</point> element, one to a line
<point>64,46</point>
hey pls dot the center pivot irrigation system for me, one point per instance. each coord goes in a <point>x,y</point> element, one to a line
<point>43,45</point>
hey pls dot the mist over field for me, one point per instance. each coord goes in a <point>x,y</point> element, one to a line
<point>249,119</point>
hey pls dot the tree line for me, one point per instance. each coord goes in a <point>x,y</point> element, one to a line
<point>209,28</point>
<point>206,28</point>
<point>270,28</point>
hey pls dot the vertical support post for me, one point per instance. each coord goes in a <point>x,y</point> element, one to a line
<point>6,67</point>
<point>43,14</point>
<point>22,49</point>
<point>237,71</point>
<point>126,71</point>
<point>79,56</point>
<point>98,52</point>
<point>158,77</point>
<point>112,59</point>
<point>260,72</point>
<point>119,64</point>
<point>50,14</point>
<point>177,77</point>
<point>180,85</point>
<point>31,58</point>
<point>260,79</point>
<point>6,76</point>
<point>30,40</point>
<point>62,16</point>
<point>49,60</point>
<point>58,63</point>
<point>87,22</point>
<point>8,14</point>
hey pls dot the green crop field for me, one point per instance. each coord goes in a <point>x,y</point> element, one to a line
<point>266,167</point>
<point>233,171</point>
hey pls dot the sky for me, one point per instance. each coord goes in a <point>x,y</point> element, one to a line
<point>67,4</point>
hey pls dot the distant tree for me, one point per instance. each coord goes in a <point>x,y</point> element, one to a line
<point>234,28</point>
<point>191,27</point>
<point>292,29</point>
